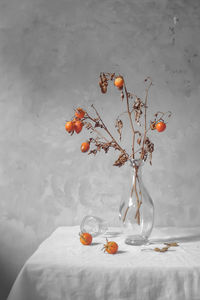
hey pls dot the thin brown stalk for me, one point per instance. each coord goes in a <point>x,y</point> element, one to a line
<point>145,116</point>
<point>137,215</point>
<point>126,211</point>
<point>130,118</point>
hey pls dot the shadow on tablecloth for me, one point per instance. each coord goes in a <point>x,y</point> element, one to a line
<point>175,234</point>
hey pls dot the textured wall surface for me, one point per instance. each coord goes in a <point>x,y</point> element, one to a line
<point>51,53</point>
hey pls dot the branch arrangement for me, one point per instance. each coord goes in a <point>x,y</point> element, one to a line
<point>102,139</point>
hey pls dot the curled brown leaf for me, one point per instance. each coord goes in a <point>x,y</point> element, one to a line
<point>121,160</point>
<point>164,249</point>
<point>119,126</point>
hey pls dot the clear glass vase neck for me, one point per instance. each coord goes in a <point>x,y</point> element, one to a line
<point>136,163</point>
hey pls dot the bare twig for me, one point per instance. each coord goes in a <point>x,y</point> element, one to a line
<point>130,118</point>
<point>145,116</point>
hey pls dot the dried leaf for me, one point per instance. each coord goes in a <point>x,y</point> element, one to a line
<point>137,108</point>
<point>94,151</point>
<point>97,124</point>
<point>101,146</point>
<point>149,145</point>
<point>164,249</point>
<point>119,126</point>
<point>88,125</point>
<point>112,76</point>
<point>121,160</point>
<point>152,125</point>
<point>174,244</point>
<point>147,150</point>
<point>103,82</point>
<point>104,89</point>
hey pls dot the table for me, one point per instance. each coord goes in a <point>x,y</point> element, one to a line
<point>63,269</point>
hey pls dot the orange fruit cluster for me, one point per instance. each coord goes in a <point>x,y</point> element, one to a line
<point>76,125</point>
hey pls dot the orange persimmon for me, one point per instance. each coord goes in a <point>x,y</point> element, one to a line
<point>85,146</point>
<point>78,125</point>
<point>160,126</point>
<point>119,82</point>
<point>110,247</point>
<point>79,113</point>
<point>85,238</point>
<point>69,126</point>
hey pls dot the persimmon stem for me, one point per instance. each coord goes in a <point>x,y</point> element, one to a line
<point>145,116</point>
<point>130,119</point>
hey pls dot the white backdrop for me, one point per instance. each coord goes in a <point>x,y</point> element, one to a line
<point>51,53</point>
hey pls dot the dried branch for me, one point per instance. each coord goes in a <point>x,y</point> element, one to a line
<point>145,116</point>
<point>130,119</point>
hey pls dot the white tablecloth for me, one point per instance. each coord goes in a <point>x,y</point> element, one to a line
<point>63,269</point>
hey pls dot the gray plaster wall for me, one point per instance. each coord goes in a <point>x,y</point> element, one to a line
<point>51,53</point>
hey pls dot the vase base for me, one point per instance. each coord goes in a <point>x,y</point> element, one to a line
<point>136,240</point>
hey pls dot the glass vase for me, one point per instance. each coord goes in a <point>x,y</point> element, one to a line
<point>137,211</point>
